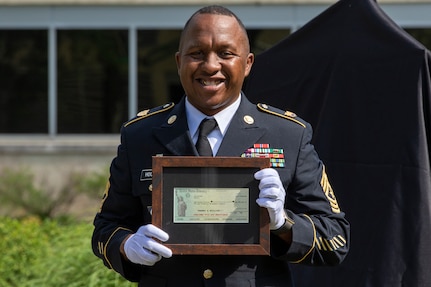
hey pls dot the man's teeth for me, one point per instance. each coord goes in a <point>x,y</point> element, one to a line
<point>210,83</point>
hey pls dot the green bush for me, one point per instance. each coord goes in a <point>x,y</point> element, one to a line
<point>17,189</point>
<point>49,253</point>
<point>40,250</point>
<point>92,184</point>
<point>19,192</point>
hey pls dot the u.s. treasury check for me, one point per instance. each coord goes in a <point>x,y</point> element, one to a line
<point>211,205</point>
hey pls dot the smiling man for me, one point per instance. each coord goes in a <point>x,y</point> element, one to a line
<point>213,60</point>
<point>307,225</point>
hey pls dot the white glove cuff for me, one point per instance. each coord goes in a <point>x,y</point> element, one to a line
<point>285,227</point>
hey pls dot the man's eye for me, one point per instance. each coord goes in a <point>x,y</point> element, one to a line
<point>196,54</point>
<point>225,54</point>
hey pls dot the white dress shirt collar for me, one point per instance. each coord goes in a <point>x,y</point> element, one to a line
<point>223,118</point>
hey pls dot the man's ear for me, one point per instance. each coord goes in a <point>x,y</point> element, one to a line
<point>178,61</point>
<point>249,64</point>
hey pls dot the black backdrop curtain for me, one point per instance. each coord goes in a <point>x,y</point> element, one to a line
<point>364,85</point>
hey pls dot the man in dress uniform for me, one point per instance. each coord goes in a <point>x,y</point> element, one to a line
<point>306,223</point>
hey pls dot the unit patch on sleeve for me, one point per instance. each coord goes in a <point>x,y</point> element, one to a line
<point>330,195</point>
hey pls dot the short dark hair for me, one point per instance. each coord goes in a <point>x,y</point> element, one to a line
<point>214,10</point>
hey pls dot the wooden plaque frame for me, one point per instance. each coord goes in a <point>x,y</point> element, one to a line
<point>252,238</point>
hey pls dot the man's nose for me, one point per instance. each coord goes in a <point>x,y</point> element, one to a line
<point>211,62</point>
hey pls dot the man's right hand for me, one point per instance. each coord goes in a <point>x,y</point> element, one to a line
<point>142,248</point>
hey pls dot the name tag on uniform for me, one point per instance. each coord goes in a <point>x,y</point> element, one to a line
<point>146,174</point>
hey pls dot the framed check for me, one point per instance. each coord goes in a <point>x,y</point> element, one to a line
<point>208,206</point>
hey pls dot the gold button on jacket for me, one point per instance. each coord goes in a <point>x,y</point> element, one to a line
<point>208,274</point>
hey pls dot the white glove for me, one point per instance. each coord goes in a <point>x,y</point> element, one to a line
<point>142,248</point>
<point>271,196</point>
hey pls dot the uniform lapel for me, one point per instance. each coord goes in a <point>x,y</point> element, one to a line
<point>243,131</point>
<point>174,134</point>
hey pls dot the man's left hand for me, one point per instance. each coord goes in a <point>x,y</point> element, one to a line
<point>271,196</point>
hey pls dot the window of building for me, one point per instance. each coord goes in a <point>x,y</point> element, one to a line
<point>158,81</point>
<point>92,81</point>
<point>92,88</point>
<point>24,84</point>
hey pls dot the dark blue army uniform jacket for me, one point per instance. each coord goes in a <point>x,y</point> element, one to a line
<point>320,230</point>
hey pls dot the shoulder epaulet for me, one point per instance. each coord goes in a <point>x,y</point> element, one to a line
<point>283,114</point>
<point>150,112</point>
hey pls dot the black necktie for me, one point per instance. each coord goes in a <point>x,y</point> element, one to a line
<point>203,145</point>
